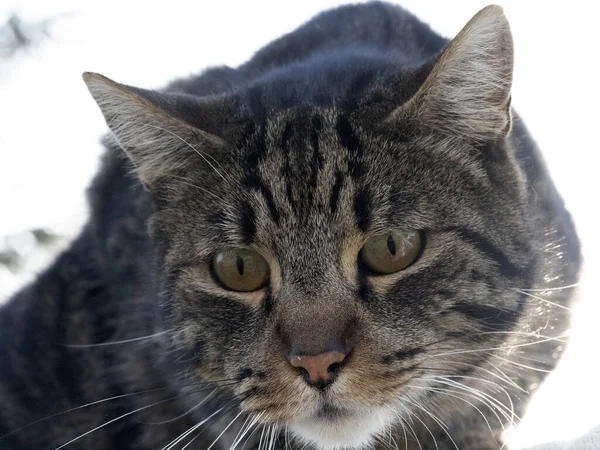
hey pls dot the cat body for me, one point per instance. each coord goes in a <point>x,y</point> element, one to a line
<point>360,122</point>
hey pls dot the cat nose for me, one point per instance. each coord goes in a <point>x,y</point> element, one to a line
<point>319,369</point>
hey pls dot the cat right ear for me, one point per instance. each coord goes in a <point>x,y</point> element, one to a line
<point>145,125</point>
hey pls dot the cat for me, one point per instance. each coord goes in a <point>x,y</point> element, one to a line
<point>350,240</point>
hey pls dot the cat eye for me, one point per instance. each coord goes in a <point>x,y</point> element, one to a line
<point>241,269</point>
<point>391,252</point>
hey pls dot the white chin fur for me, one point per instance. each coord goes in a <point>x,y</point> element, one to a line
<point>353,432</point>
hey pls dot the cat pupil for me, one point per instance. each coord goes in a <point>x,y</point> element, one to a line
<point>239,262</point>
<point>391,245</point>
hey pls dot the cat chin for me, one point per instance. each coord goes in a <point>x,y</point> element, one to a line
<point>355,431</point>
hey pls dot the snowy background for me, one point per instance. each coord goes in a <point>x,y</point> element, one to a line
<point>50,130</point>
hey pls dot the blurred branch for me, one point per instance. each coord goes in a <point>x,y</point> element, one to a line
<point>17,35</point>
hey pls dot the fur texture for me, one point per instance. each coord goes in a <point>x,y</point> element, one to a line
<point>360,122</point>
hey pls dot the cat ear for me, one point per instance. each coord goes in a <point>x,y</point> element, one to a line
<point>468,90</point>
<point>146,125</point>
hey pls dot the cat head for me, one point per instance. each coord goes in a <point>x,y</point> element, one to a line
<point>337,257</point>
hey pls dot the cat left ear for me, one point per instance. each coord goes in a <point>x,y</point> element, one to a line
<point>468,91</point>
<point>147,127</point>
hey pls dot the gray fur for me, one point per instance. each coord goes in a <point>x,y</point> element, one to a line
<point>355,124</point>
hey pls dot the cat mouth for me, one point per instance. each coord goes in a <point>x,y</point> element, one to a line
<point>329,411</point>
<point>332,427</point>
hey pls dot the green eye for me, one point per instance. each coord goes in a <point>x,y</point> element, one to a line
<point>241,269</point>
<point>391,252</point>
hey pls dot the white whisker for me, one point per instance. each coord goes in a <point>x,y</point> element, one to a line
<point>569,286</point>
<point>112,421</point>
<point>124,341</point>
<point>437,420</point>
<point>543,300</point>
<point>195,407</point>
<point>192,147</point>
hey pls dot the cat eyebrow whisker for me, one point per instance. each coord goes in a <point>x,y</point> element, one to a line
<point>124,341</point>
<point>206,191</point>
<point>202,155</point>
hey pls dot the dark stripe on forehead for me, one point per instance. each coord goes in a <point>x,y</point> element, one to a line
<point>335,191</point>
<point>255,152</point>
<point>253,182</point>
<point>247,223</point>
<point>351,142</point>
<point>254,145</point>
<point>347,136</point>
<point>505,267</point>
<point>362,209</point>
<point>266,192</point>
<point>287,168</point>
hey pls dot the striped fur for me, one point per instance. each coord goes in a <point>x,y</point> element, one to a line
<point>360,122</point>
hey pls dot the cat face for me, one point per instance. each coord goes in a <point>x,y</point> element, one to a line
<point>309,221</point>
<point>335,261</point>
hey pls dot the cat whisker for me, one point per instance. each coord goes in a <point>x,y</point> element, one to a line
<point>451,393</point>
<point>394,442</point>
<point>412,430</point>
<point>87,405</point>
<point>227,382</point>
<point>405,435</point>
<point>437,420</point>
<point>506,377</point>
<point>560,288</point>
<point>251,421</point>
<point>524,366</point>
<point>274,434</point>
<point>124,341</point>
<point>195,407</point>
<point>507,412</point>
<point>122,416</point>
<point>286,439</point>
<point>224,430</point>
<point>185,434</point>
<point>537,297</point>
<point>242,429</point>
<point>503,377</point>
<point>256,427</point>
<point>262,434</point>
<point>509,348</point>
<point>426,427</point>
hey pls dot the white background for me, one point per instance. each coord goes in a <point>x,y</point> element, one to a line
<point>50,127</point>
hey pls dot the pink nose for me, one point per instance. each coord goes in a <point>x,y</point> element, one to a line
<point>320,368</point>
